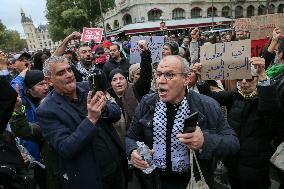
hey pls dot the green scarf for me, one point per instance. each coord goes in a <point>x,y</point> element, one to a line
<point>275,70</point>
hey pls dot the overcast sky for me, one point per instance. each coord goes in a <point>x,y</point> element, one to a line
<point>10,13</point>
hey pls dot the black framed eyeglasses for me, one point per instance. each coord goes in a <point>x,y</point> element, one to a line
<point>167,75</point>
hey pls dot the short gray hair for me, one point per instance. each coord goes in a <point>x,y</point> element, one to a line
<point>184,63</point>
<point>49,62</point>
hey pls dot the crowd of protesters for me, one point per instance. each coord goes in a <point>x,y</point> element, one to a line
<point>72,118</point>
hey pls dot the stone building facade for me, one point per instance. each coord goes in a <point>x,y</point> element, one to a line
<point>37,38</point>
<point>133,11</point>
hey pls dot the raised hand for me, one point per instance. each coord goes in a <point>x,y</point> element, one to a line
<point>18,105</point>
<point>276,33</point>
<point>75,35</point>
<point>196,68</point>
<point>95,105</point>
<point>259,63</point>
<point>143,45</point>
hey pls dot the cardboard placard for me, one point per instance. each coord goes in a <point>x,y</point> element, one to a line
<point>228,60</point>
<point>89,34</point>
<point>257,46</point>
<point>242,24</point>
<point>262,26</point>
<point>155,45</point>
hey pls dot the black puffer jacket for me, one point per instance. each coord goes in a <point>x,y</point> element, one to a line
<point>251,164</point>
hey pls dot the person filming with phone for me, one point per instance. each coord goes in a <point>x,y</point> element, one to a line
<point>159,122</point>
<point>77,123</point>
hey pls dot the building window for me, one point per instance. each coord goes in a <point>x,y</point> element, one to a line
<point>108,27</point>
<point>261,10</point>
<point>45,44</point>
<point>209,11</point>
<point>47,36</point>
<point>196,12</point>
<point>115,24</point>
<point>271,9</point>
<point>127,19</point>
<point>31,47</point>
<point>250,11</point>
<point>280,8</point>
<point>154,14</point>
<point>34,46</point>
<point>178,13</point>
<point>239,12</point>
<point>43,37</point>
<point>226,12</point>
<point>49,43</point>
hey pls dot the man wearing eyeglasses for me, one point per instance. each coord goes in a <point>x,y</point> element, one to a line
<point>250,167</point>
<point>159,123</point>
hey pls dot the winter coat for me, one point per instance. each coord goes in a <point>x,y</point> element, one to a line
<point>89,155</point>
<point>219,138</point>
<point>251,164</point>
<point>30,109</point>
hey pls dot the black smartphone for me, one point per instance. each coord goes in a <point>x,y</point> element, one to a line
<point>96,82</point>
<point>190,123</point>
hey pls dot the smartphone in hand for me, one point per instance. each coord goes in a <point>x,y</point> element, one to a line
<point>96,82</point>
<point>190,123</point>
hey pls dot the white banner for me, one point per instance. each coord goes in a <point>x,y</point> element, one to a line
<point>155,45</point>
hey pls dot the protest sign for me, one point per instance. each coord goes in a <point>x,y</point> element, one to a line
<point>257,46</point>
<point>92,34</point>
<point>226,60</point>
<point>155,45</point>
<point>242,24</point>
<point>262,26</point>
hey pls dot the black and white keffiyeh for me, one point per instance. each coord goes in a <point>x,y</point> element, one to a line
<point>84,71</point>
<point>179,151</point>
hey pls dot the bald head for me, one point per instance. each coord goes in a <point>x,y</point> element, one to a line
<point>177,61</point>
